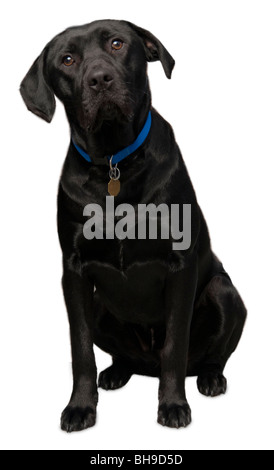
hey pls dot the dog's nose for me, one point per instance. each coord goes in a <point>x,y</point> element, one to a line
<point>100,80</point>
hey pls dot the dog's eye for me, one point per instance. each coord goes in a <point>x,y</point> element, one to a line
<point>68,60</point>
<point>117,44</point>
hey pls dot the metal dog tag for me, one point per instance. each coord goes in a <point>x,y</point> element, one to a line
<point>114,187</point>
<point>114,183</point>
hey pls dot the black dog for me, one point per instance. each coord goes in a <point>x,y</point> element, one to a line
<point>157,311</point>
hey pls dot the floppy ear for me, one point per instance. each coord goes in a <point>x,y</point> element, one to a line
<point>155,50</point>
<point>36,91</point>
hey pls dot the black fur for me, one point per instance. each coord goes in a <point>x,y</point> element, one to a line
<point>157,311</point>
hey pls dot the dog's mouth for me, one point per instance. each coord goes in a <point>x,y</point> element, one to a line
<point>94,112</point>
<point>110,112</point>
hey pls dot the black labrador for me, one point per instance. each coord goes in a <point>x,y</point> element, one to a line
<point>158,311</point>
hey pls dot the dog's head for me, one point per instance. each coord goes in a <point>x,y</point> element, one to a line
<point>97,70</point>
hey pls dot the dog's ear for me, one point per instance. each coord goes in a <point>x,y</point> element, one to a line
<point>36,91</point>
<point>155,50</point>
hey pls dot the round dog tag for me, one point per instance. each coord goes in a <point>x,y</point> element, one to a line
<point>114,187</point>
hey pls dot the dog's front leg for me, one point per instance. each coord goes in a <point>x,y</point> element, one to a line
<point>174,410</point>
<point>80,412</point>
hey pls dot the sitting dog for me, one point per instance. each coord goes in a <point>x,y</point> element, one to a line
<point>156,310</point>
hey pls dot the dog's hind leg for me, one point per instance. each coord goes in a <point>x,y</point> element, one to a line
<point>128,344</point>
<point>222,306</point>
<point>115,376</point>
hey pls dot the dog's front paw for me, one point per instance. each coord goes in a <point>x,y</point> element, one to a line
<point>76,418</point>
<point>174,416</point>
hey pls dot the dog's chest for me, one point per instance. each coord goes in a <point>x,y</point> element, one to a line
<point>122,255</point>
<point>129,276</point>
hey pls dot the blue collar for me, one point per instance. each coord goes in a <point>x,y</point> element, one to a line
<point>119,156</point>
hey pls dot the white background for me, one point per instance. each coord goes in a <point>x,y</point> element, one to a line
<point>220,102</point>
